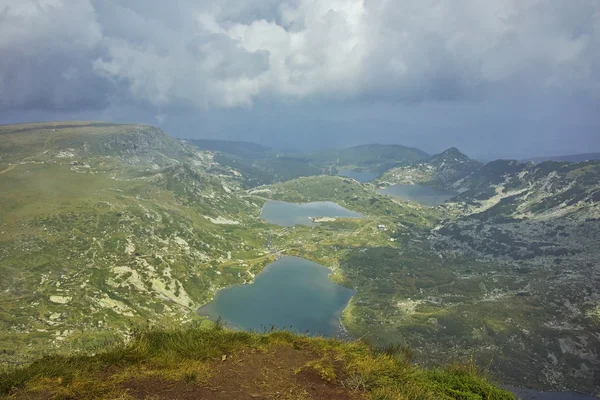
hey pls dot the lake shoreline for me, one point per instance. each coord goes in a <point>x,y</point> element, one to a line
<point>419,193</point>
<point>284,213</point>
<point>289,292</point>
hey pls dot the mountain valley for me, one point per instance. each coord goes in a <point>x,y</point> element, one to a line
<point>106,226</point>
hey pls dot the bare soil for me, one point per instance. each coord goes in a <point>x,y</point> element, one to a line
<point>250,374</point>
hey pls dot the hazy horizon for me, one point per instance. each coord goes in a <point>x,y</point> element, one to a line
<point>501,79</point>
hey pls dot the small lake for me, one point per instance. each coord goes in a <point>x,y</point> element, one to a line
<point>292,292</point>
<point>289,214</point>
<point>362,176</point>
<point>418,193</point>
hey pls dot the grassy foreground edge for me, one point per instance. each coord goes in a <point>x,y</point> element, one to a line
<point>191,359</point>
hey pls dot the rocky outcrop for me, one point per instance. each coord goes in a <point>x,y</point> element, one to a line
<point>136,144</point>
<point>445,170</point>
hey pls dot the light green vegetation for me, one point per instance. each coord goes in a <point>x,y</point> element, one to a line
<point>269,170</point>
<point>351,194</point>
<point>188,361</point>
<point>243,150</point>
<point>91,242</point>
<point>329,242</point>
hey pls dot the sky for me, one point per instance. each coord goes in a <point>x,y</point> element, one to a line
<point>495,78</point>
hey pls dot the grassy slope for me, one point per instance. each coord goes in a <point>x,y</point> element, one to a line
<point>93,240</point>
<point>215,363</point>
<point>329,242</point>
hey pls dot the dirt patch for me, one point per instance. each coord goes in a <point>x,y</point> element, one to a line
<point>250,374</point>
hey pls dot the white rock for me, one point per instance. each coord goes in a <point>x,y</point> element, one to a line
<point>60,299</point>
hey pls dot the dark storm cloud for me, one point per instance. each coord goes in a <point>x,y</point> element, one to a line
<point>45,57</point>
<point>60,81</point>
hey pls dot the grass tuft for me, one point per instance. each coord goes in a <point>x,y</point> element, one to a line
<point>190,356</point>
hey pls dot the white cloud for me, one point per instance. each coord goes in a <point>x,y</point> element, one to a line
<point>231,53</point>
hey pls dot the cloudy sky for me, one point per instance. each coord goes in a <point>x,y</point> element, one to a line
<point>496,78</point>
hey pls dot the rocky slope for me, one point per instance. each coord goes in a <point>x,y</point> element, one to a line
<point>540,224</point>
<point>103,225</point>
<point>444,170</point>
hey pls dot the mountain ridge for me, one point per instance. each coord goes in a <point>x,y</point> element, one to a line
<point>444,170</point>
<point>569,158</point>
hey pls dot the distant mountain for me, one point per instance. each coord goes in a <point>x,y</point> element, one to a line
<point>444,170</point>
<point>236,148</point>
<point>372,157</point>
<point>529,190</point>
<point>255,163</point>
<point>570,158</point>
<point>524,210</point>
<point>260,165</point>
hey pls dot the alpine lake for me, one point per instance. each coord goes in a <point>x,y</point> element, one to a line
<point>361,176</point>
<point>291,293</point>
<point>423,194</point>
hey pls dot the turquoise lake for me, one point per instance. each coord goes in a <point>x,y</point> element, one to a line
<point>418,193</point>
<point>291,293</point>
<point>288,214</point>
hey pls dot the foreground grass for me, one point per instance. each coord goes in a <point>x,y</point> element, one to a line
<point>192,360</point>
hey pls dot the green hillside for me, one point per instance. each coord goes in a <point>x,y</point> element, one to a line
<point>102,226</point>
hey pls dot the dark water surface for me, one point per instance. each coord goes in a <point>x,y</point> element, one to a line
<point>418,193</point>
<point>289,214</point>
<point>363,176</point>
<point>292,292</point>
